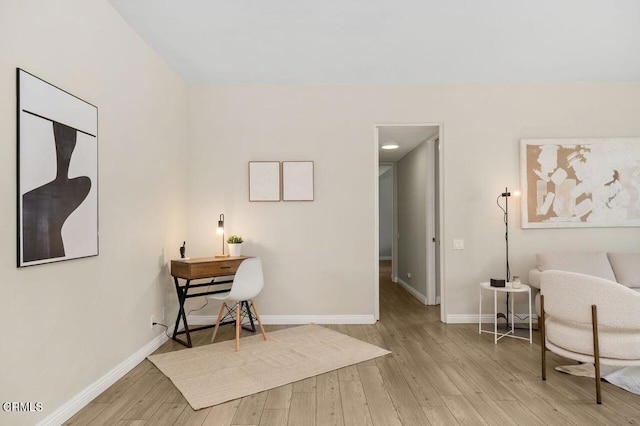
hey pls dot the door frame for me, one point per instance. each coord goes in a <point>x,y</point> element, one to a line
<point>440,193</point>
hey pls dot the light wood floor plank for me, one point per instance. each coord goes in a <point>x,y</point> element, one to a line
<point>381,408</point>
<point>440,416</point>
<point>166,414</point>
<point>348,374</point>
<point>128,399</point>
<point>354,404</point>
<point>250,409</point>
<point>306,385</point>
<point>148,404</point>
<point>403,398</point>
<point>303,409</point>
<point>274,417</point>
<point>329,406</point>
<point>279,398</point>
<point>191,417</point>
<point>222,415</point>
<point>520,414</point>
<point>131,423</point>
<point>88,413</point>
<point>119,387</point>
<point>489,409</point>
<point>463,411</point>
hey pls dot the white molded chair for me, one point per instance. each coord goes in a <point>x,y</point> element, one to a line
<point>247,284</point>
<point>589,319</point>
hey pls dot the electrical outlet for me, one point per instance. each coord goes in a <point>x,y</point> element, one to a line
<point>409,275</point>
<point>153,321</point>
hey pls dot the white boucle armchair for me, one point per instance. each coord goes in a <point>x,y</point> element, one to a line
<point>589,319</point>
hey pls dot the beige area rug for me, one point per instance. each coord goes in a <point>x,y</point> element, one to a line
<point>213,374</point>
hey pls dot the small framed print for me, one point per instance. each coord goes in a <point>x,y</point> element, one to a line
<point>264,181</point>
<point>297,180</point>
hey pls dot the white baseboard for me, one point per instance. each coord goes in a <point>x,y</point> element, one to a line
<point>293,319</point>
<point>486,319</point>
<point>415,293</point>
<point>75,404</point>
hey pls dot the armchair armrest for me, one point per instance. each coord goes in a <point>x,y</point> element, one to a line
<point>534,278</point>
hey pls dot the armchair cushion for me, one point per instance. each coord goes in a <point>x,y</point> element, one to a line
<point>596,264</point>
<point>615,343</point>
<point>626,267</point>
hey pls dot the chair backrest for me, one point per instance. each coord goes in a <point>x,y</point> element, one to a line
<point>569,296</point>
<point>248,281</point>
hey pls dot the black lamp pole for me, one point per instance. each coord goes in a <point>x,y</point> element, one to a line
<point>506,194</point>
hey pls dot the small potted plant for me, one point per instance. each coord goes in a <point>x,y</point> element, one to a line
<point>234,243</point>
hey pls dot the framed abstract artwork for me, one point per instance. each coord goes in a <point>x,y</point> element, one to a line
<point>297,181</point>
<point>264,181</point>
<point>57,159</point>
<point>572,183</point>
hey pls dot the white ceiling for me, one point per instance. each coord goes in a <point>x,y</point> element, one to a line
<point>391,41</point>
<point>407,137</point>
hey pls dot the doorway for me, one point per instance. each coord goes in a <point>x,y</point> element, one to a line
<point>415,162</point>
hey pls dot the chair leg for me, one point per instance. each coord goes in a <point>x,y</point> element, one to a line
<point>238,325</point>
<point>215,330</point>
<point>543,341</point>
<point>596,351</point>
<point>255,309</point>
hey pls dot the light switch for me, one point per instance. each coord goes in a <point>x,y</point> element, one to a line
<point>458,244</point>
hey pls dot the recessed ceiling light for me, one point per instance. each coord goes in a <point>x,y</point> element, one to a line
<point>390,145</point>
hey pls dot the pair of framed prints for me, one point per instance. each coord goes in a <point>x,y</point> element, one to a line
<point>281,181</point>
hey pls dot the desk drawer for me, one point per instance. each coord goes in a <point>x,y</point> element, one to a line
<point>204,268</point>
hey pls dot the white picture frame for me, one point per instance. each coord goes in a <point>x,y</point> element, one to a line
<point>264,181</point>
<point>297,181</point>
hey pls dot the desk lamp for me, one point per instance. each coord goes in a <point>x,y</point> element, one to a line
<point>220,231</point>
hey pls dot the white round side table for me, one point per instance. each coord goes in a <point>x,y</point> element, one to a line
<point>508,289</point>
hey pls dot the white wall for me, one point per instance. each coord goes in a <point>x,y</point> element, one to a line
<point>385,201</point>
<point>65,325</point>
<point>319,256</point>
<point>412,219</point>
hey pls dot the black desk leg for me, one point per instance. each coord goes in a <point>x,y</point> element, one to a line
<point>182,296</point>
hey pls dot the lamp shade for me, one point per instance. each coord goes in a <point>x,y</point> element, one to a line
<point>220,229</point>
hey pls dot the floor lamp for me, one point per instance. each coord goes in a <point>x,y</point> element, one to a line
<point>506,194</point>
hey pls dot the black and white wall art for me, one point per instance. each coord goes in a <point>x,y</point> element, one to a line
<point>57,174</point>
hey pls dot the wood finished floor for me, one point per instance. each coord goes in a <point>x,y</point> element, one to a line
<point>437,374</point>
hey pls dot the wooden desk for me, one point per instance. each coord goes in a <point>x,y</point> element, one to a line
<point>198,268</point>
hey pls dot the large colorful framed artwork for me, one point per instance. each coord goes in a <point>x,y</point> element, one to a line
<point>57,173</point>
<point>573,183</point>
